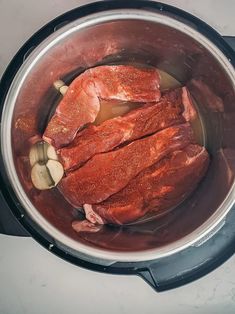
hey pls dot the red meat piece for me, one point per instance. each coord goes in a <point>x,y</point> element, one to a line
<point>80,105</point>
<point>133,125</point>
<point>127,83</point>
<point>162,186</point>
<point>107,173</point>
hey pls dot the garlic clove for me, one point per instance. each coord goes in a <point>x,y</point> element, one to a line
<point>64,89</point>
<point>46,170</point>
<point>38,153</point>
<point>33,155</point>
<point>41,152</point>
<point>60,86</point>
<point>41,178</point>
<point>56,170</point>
<point>51,153</point>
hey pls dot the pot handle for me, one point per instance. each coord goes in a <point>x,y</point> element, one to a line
<point>168,274</point>
<point>180,269</point>
<point>176,270</point>
<point>9,224</point>
<point>230,40</point>
<point>192,263</point>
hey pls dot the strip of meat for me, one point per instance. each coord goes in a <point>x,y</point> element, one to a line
<point>107,173</point>
<point>133,125</point>
<point>127,83</point>
<point>80,105</point>
<point>162,186</point>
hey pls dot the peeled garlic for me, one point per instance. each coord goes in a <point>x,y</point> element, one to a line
<point>33,155</point>
<point>42,152</point>
<point>51,153</point>
<point>38,153</point>
<point>63,89</point>
<point>41,178</point>
<point>60,86</point>
<point>56,170</point>
<point>46,171</point>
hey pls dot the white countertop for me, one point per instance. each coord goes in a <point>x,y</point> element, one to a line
<point>34,281</point>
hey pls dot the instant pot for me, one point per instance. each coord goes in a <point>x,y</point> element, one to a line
<point>172,250</point>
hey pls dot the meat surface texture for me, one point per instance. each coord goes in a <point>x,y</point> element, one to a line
<point>161,186</point>
<point>106,174</point>
<point>128,83</point>
<point>137,123</point>
<point>81,103</point>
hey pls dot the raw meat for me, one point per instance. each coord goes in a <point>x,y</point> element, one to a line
<point>81,104</point>
<point>85,226</point>
<point>190,112</point>
<point>162,186</point>
<point>133,125</point>
<point>107,173</point>
<point>206,96</point>
<point>126,82</point>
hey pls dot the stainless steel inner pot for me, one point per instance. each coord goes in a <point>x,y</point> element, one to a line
<point>125,35</point>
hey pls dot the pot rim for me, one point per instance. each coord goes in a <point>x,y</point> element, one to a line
<point>91,20</point>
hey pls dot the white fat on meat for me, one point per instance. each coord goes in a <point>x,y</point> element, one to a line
<point>85,226</point>
<point>190,112</point>
<point>92,216</point>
